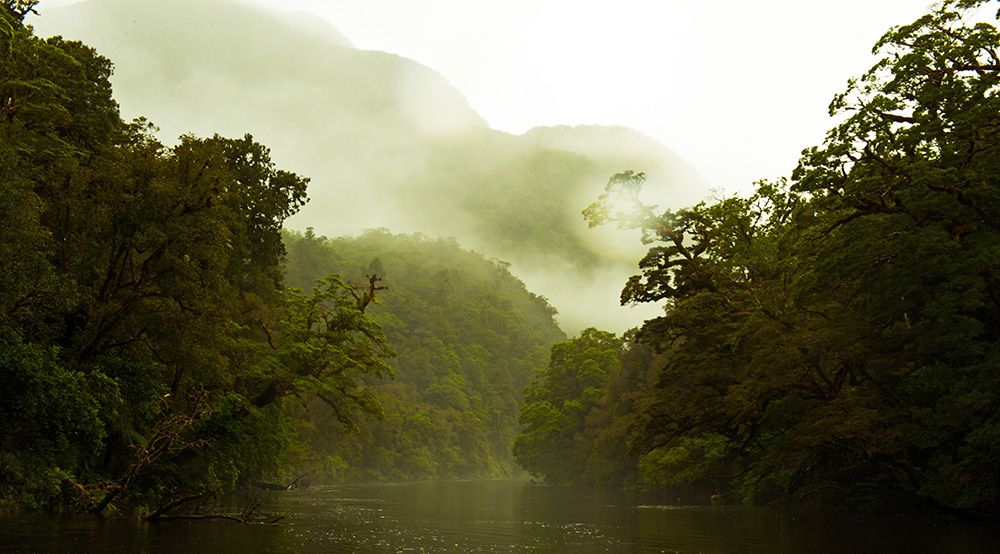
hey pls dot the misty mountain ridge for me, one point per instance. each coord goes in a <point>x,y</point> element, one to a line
<point>387,142</point>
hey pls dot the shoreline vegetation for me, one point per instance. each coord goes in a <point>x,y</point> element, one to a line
<point>829,342</point>
<point>832,340</point>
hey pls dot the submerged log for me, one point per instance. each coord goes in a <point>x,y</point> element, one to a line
<point>272,486</point>
<point>298,482</point>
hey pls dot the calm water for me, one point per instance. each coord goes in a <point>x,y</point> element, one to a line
<point>478,516</point>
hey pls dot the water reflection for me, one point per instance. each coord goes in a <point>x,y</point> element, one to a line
<point>483,516</point>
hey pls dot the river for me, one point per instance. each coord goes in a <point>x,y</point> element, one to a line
<point>498,516</point>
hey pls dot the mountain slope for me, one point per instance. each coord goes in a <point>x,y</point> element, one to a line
<point>469,337</point>
<point>386,141</point>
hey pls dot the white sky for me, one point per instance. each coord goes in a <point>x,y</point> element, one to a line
<point>737,88</point>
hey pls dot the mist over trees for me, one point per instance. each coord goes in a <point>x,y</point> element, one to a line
<point>152,356</point>
<point>385,131</point>
<point>828,340</point>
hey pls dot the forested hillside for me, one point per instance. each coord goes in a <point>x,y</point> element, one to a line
<point>833,339</point>
<point>468,337</point>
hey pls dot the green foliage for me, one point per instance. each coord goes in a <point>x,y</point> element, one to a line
<point>18,8</point>
<point>687,460</point>
<point>50,421</point>
<point>552,442</point>
<point>835,340</point>
<point>468,336</point>
<point>328,345</point>
<point>147,343</point>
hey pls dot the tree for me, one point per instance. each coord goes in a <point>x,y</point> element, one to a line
<point>552,442</point>
<point>19,9</point>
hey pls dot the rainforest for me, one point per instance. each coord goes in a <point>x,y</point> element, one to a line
<point>175,346</point>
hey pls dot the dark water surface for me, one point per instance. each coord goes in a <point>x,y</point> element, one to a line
<point>492,516</point>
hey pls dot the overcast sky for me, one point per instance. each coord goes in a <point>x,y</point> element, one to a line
<point>738,88</point>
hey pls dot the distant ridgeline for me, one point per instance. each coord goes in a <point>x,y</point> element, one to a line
<point>830,340</point>
<point>468,337</point>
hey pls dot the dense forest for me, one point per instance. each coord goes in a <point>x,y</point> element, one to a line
<point>468,338</point>
<point>147,345</point>
<point>832,339</point>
